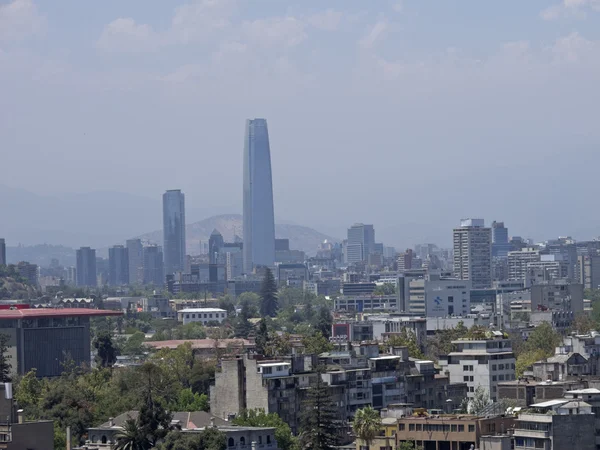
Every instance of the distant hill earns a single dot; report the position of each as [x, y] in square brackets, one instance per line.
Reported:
[301, 238]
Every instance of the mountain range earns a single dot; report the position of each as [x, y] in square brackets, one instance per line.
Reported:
[229, 225]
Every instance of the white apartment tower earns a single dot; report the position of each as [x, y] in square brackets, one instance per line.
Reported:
[481, 362]
[473, 253]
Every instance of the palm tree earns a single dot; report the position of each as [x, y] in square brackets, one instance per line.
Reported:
[132, 437]
[367, 424]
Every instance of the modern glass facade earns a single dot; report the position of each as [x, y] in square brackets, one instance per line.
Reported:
[259, 218]
[174, 231]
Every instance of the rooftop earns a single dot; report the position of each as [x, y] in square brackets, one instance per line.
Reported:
[33, 313]
[201, 343]
[201, 310]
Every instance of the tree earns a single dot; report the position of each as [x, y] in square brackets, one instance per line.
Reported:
[5, 365]
[583, 323]
[228, 305]
[208, 439]
[132, 436]
[262, 337]
[409, 445]
[318, 421]
[367, 424]
[29, 393]
[258, 418]
[480, 401]
[324, 321]
[189, 401]
[408, 339]
[316, 344]
[242, 325]
[107, 353]
[269, 305]
[134, 344]
[385, 289]
[526, 359]
[544, 338]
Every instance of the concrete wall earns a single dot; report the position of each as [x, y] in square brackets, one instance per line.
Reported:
[32, 436]
[576, 432]
[227, 396]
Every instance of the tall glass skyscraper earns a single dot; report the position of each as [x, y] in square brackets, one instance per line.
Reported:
[174, 231]
[259, 218]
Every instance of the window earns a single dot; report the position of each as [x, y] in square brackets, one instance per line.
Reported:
[187, 316]
[471, 428]
[419, 427]
[465, 378]
[501, 367]
[494, 377]
[260, 440]
[103, 439]
[268, 439]
[501, 377]
[471, 389]
[411, 427]
[193, 316]
[461, 428]
[242, 440]
[494, 367]
[401, 427]
[471, 378]
[453, 428]
[231, 442]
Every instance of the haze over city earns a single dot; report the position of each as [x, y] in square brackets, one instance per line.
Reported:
[409, 115]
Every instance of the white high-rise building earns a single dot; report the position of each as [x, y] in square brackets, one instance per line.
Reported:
[518, 261]
[473, 253]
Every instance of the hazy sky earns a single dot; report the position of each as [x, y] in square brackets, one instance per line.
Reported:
[390, 112]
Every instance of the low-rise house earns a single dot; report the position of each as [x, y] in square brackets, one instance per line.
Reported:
[561, 367]
[556, 425]
[104, 437]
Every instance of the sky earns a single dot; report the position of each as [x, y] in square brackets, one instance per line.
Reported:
[405, 114]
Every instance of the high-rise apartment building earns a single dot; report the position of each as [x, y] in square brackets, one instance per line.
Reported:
[153, 265]
[500, 244]
[118, 266]
[473, 253]
[174, 231]
[518, 262]
[86, 267]
[31, 272]
[135, 253]
[361, 243]
[259, 218]
[2, 252]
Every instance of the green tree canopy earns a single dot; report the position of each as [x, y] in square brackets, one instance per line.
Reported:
[316, 343]
[5, 365]
[367, 424]
[107, 352]
[318, 421]
[258, 418]
[269, 304]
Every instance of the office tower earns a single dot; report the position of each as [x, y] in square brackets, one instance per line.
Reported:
[153, 265]
[135, 252]
[259, 218]
[361, 243]
[174, 231]
[500, 244]
[405, 260]
[118, 266]
[86, 267]
[215, 244]
[473, 253]
[2, 252]
[588, 271]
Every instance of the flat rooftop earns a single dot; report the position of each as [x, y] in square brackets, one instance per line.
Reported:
[200, 343]
[34, 313]
[201, 310]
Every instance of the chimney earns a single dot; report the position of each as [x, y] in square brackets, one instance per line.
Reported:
[111, 422]
[20, 416]
[212, 422]
[68, 446]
